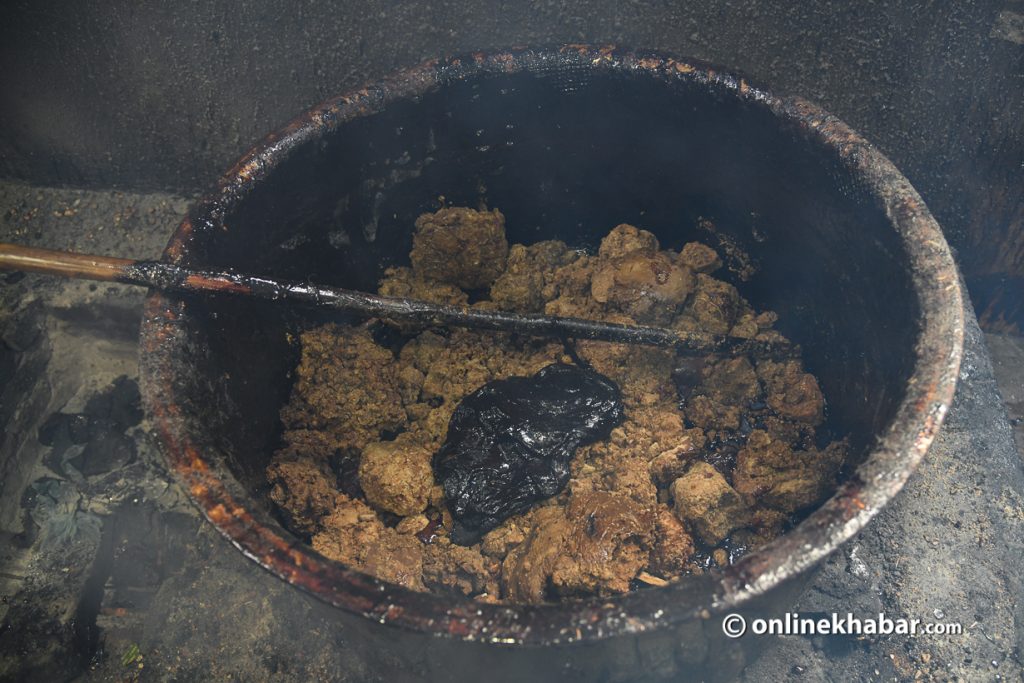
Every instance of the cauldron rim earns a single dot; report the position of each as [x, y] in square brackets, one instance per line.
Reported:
[919, 415]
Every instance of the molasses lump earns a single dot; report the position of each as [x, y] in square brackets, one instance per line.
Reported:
[308, 442]
[530, 269]
[713, 309]
[402, 282]
[396, 476]
[770, 472]
[527, 569]
[354, 535]
[673, 545]
[671, 464]
[596, 544]
[627, 476]
[792, 393]
[700, 258]
[633, 277]
[622, 463]
[460, 246]
[766, 524]
[750, 325]
[625, 239]
[705, 501]
[793, 433]
[414, 524]
[732, 381]
[345, 387]
[608, 542]
[498, 541]
[745, 327]
[303, 488]
[509, 443]
[410, 384]
[766, 320]
[643, 373]
[709, 414]
[648, 288]
[567, 293]
[458, 569]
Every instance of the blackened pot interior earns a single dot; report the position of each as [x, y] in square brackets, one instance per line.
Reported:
[566, 151]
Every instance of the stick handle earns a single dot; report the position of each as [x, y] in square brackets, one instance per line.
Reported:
[66, 264]
[173, 278]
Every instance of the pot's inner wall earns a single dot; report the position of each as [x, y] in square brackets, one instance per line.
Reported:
[566, 155]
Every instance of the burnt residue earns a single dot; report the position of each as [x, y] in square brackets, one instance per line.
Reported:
[94, 441]
[510, 442]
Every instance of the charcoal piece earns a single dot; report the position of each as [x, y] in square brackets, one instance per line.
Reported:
[119, 403]
[106, 451]
[60, 430]
[509, 443]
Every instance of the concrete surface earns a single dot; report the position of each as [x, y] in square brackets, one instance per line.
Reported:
[1008, 363]
[107, 572]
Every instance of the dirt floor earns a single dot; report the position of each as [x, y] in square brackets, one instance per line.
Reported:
[108, 573]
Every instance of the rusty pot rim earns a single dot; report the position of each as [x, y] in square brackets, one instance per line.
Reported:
[918, 417]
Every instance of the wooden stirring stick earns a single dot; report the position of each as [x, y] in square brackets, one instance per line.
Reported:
[168, 277]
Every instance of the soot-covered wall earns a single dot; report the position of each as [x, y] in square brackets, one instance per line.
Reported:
[164, 95]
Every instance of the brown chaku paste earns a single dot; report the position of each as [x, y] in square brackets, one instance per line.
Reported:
[390, 465]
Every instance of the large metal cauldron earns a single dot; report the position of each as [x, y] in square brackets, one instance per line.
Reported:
[567, 143]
